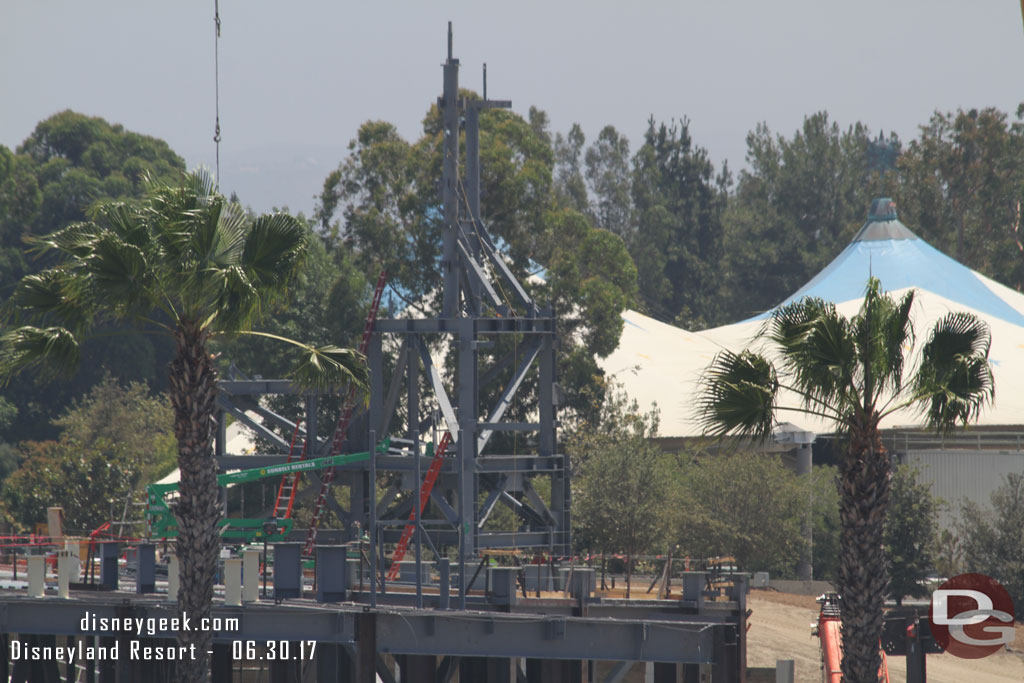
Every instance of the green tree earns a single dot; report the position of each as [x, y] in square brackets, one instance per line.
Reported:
[620, 480]
[113, 442]
[570, 187]
[128, 416]
[851, 373]
[383, 201]
[797, 205]
[993, 539]
[949, 554]
[961, 183]
[591, 279]
[189, 264]
[677, 246]
[744, 504]
[827, 526]
[910, 534]
[69, 162]
[77, 159]
[91, 482]
[609, 179]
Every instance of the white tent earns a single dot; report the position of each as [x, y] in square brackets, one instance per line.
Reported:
[662, 364]
[239, 441]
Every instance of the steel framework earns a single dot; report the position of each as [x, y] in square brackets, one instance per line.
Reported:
[483, 305]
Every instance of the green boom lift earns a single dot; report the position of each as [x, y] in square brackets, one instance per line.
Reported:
[161, 523]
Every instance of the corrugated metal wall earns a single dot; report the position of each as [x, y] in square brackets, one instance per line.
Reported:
[963, 474]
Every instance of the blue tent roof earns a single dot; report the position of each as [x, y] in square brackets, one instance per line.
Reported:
[887, 249]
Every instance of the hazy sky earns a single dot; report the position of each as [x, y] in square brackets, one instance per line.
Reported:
[297, 78]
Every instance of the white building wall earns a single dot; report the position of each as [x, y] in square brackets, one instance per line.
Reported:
[956, 475]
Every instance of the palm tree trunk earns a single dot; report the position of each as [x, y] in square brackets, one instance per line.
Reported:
[193, 393]
[863, 499]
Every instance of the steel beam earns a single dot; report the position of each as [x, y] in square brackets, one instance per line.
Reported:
[449, 106]
[396, 631]
[240, 415]
[488, 326]
[506, 397]
[440, 394]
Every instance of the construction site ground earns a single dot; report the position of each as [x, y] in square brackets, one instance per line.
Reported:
[780, 628]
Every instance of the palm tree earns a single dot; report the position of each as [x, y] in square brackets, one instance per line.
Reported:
[186, 263]
[852, 373]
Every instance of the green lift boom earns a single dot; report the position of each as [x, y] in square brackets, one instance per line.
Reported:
[161, 524]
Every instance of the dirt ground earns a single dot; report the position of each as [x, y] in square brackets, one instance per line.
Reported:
[780, 628]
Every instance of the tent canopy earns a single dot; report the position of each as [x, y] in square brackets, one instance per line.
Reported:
[662, 364]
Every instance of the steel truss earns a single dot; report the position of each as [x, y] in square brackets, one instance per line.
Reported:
[483, 307]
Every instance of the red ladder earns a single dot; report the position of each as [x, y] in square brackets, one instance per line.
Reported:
[286, 490]
[428, 486]
[327, 475]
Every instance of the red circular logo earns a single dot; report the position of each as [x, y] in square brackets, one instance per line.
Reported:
[971, 616]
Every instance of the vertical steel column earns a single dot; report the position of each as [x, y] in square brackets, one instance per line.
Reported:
[445, 579]
[667, 672]
[366, 648]
[373, 519]
[284, 670]
[560, 484]
[472, 185]
[375, 361]
[333, 665]
[417, 668]
[466, 447]
[472, 182]
[220, 662]
[450, 183]
[220, 441]
[490, 669]
[413, 403]
[220, 438]
[554, 670]
[108, 668]
[313, 427]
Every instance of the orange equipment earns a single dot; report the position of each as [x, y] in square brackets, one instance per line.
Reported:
[830, 635]
[428, 486]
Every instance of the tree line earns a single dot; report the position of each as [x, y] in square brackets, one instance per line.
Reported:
[603, 224]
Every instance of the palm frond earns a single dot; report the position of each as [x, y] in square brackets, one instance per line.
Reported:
[273, 248]
[121, 275]
[55, 295]
[237, 300]
[203, 225]
[232, 228]
[201, 184]
[50, 351]
[816, 344]
[321, 368]
[954, 380]
[124, 220]
[882, 329]
[73, 240]
[738, 395]
[168, 214]
[329, 367]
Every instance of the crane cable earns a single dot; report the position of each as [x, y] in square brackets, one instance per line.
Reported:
[216, 79]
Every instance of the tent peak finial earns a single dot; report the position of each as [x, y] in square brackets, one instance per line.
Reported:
[882, 209]
[883, 223]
